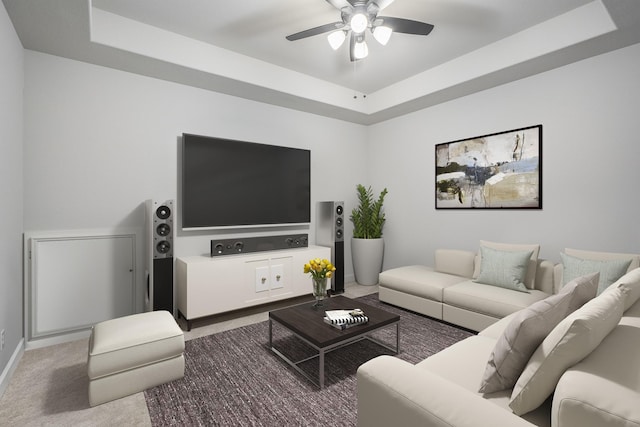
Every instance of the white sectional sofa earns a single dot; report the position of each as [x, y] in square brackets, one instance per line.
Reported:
[583, 370]
[447, 290]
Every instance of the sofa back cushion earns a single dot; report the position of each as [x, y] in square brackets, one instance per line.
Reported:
[528, 329]
[456, 262]
[569, 342]
[530, 278]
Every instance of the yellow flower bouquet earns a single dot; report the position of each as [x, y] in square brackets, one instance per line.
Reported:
[319, 268]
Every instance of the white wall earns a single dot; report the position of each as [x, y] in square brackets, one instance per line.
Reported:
[11, 126]
[591, 149]
[98, 142]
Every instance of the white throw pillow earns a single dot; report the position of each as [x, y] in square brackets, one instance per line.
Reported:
[530, 278]
[630, 282]
[567, 344]
[528, 329]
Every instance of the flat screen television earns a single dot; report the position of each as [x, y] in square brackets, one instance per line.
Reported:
[228, 183]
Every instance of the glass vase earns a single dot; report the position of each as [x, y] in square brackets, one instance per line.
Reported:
[319, 290]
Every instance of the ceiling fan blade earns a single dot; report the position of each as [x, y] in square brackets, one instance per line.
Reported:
[406, 26]
[339, 4]
[315, 31]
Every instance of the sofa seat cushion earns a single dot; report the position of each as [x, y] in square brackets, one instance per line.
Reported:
[418, 280]
[464, 363]
[489, 300]
[604, 388]
[134, 341]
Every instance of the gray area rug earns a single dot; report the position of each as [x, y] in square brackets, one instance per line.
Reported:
[233, 379]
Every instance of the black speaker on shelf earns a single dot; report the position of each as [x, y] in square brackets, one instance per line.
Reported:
[330, 232]
[160, 238]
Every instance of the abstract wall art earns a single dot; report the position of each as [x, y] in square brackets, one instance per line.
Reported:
[496, 171]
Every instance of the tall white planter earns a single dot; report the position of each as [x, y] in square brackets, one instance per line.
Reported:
[367, 255]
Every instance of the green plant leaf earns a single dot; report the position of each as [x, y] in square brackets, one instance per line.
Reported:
[368, 218]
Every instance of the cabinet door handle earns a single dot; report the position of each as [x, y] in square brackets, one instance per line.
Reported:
[264, 279]
[278, 277]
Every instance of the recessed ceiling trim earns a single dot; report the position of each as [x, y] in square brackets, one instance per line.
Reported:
[115, 31]
[574, 27]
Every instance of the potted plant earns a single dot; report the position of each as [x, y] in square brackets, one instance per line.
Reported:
[367, 245]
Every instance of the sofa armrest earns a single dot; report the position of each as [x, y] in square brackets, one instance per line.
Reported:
[394, 392]
[545, 277]
[456, 262]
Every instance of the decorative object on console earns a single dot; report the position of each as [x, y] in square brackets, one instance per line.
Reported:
[320, 270]
[367, 245]
[497, 171]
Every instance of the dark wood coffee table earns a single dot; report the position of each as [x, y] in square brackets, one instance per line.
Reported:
[307, 323]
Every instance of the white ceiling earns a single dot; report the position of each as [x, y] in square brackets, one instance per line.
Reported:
[239, 47]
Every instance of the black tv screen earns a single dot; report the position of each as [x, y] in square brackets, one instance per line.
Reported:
[228, 183]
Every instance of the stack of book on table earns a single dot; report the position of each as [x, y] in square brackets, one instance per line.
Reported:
[343, 319]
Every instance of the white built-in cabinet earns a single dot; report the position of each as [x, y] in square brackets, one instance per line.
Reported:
[212, 285]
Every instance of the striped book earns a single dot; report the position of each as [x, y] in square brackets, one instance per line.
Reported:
[347, 324]
[343, 319]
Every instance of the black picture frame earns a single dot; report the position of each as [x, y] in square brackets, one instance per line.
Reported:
[502, 170]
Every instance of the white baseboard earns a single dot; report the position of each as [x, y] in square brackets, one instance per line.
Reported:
[8, 371]
[57, 339]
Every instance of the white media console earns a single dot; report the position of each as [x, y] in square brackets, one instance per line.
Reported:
[212, 285]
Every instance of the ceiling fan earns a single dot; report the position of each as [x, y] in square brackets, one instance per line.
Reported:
[358, 16]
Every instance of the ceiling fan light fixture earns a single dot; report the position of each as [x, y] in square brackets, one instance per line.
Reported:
[382, 34]
[359, 23]
[360, 50]
[336, 39]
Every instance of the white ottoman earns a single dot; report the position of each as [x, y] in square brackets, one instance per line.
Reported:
[132, 353]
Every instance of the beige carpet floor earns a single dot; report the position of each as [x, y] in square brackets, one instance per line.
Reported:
[49, 386]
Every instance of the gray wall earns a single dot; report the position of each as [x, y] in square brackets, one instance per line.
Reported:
[11, 125]
[98, 142]
[591, 151]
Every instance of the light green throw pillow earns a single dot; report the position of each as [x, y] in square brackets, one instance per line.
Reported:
[610, 270]
[505, 269]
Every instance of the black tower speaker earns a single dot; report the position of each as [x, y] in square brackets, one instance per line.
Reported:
[160, 231]
[330, 232]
